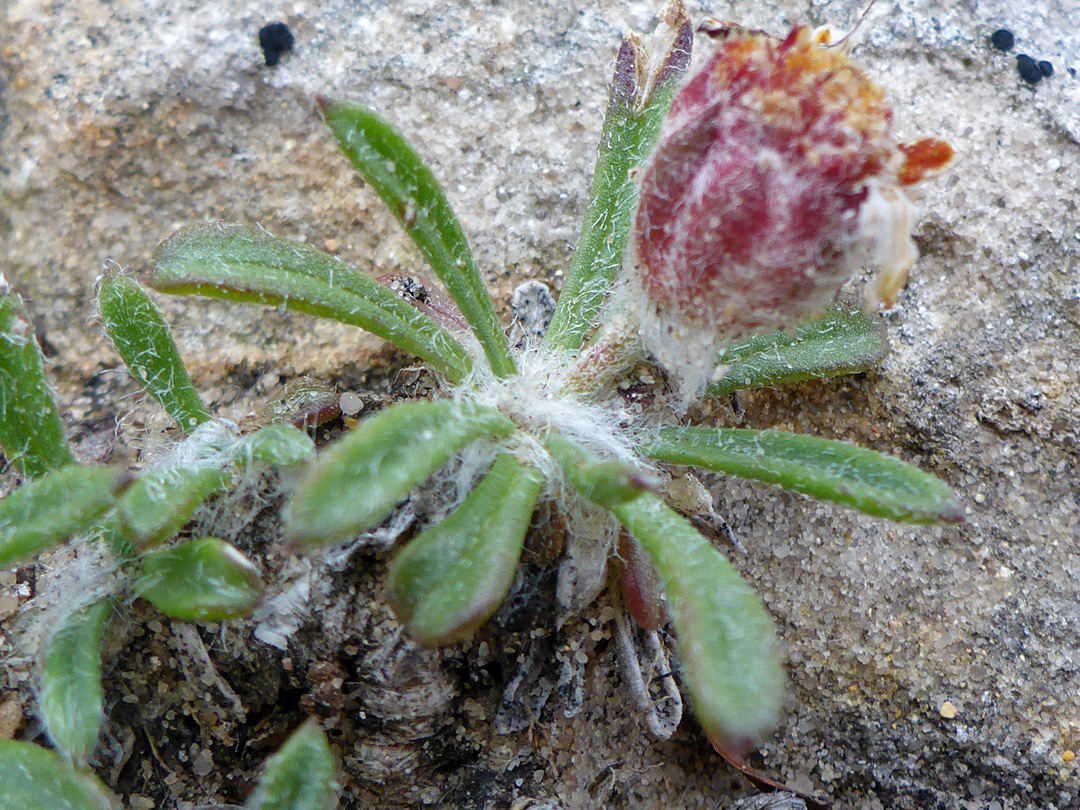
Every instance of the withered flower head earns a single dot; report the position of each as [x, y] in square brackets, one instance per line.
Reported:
[776, 176]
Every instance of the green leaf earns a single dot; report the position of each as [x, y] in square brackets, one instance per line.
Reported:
[632, 125]
[276, 445]
[835, 471]
[360, 480]
[604, 482]
[449, 580]
[408, 187]
[161, 502]
[54, 507]
[31, 432]
[71, 695]
[300, 776]
[727, 644]
[843, 341]
[144, 342]
[204, 580]
[246, 265]
[35, 778]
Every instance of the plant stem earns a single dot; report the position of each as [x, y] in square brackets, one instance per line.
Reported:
[615, 350]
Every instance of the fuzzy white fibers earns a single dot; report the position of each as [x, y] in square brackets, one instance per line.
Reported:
[212, 444]
[535, 401]
[72, 577]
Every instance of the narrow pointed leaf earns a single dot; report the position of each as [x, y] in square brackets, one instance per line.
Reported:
[360, 480]
[604, 482]
[449, 580]
[246, 265]
[843, 341]
[31, 433]
[204, 580]
[632, 124]
[276, 445]
[408, 187]
[35, 778]
[869, 481]
[161, 502]
[54, 507]
[71, 696]
[727, 644]
[300, 776]
[144, 341]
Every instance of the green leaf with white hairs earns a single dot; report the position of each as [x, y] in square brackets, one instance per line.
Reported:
[360, 480]
[277, 446]
[35, 778]
[845, 340]
[31, 433]
[161, 502]
[637, 108]
[204, 580]
[603, 482]
[50, 509]
[71, 695]
[447, 581]
[866, 480]
[144, 341]
[726, 640]
[302, 775]
[400, 177]
[251, 266]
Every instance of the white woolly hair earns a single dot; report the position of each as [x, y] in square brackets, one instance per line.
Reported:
[534, 401]
[72, 577]
[211, 444]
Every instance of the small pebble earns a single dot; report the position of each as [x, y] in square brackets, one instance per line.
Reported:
[1068, 756]
[1002, 39]
[948, 710]
[1029, 69]
[1046, 68]
[351, 403]
[11, 717]
[274, 39]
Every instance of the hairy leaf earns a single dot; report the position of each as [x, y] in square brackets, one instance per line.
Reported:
[845, 340]
[54, 507]
[635, 112]
[161, 502]
[204, 580]
[727, 643]
[408, 187]
[604, 482]
[276, 445]
[35, 778]
[241, 264]
[300, 776]
[359, 480]
[835, 471]
[144, 341]
[71, 695]
[31, 432]
[449, 580]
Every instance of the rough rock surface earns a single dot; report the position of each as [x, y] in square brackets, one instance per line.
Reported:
[121, 122]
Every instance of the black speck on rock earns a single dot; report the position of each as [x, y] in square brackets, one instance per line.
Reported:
[1002, 39]
[1029, 69]
[1046, 68]
[275, 38]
